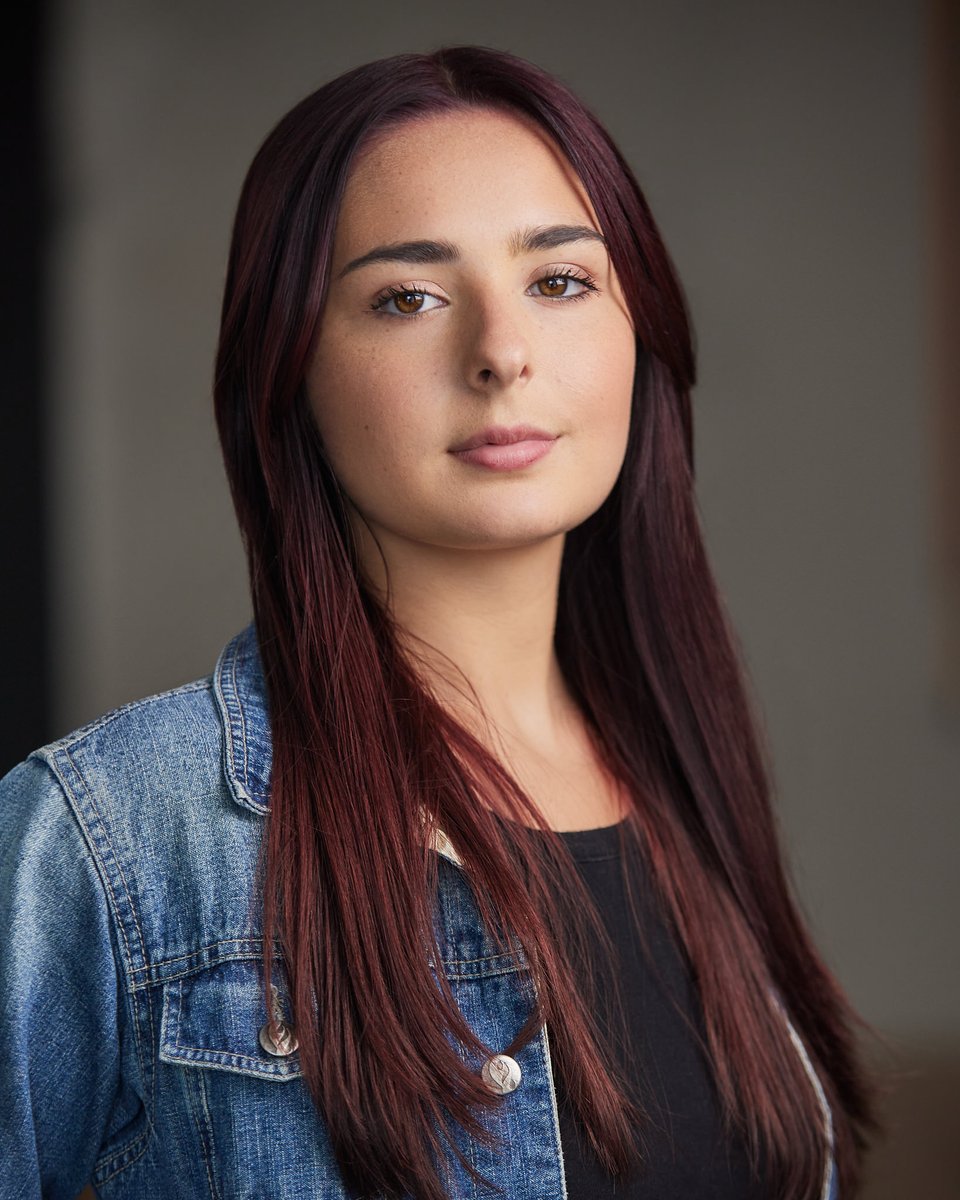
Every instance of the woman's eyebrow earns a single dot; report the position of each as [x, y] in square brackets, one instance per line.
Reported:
[524, 241]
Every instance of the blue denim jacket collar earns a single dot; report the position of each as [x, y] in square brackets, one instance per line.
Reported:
[241, 695]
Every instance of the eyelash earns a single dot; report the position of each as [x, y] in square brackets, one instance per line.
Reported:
[391, 293]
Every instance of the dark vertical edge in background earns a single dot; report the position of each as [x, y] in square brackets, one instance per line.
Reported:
[24, 204]
[943, 250]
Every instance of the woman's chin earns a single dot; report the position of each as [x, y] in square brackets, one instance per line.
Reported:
[512, 532]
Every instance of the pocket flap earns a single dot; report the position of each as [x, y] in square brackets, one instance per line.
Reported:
[213, 1018]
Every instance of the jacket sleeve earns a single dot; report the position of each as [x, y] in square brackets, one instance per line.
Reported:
[59, 1067]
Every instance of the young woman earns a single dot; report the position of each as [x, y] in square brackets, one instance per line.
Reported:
[458, 877]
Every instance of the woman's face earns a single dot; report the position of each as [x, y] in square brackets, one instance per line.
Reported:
[457, 307]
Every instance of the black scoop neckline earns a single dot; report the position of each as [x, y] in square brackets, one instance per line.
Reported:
[593, 844]
[583, 845]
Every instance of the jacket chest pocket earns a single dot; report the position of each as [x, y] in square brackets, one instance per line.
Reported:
[238, 1119]
[215, 1018]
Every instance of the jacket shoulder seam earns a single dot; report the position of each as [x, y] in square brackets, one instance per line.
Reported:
[77, 736]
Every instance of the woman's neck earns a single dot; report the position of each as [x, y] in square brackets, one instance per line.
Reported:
[481, 619]
[485, 620]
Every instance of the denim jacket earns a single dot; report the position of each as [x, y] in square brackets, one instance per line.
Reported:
[135, 1054]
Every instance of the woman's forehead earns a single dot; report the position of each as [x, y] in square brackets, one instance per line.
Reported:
[478, 168]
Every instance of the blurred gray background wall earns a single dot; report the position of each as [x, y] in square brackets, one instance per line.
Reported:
[781, 147]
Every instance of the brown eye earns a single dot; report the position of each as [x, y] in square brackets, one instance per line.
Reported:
[405, 302]
[408, 302]
[553, 285]
[557, 287]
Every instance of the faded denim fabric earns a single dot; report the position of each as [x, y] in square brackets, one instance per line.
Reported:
[130, 996]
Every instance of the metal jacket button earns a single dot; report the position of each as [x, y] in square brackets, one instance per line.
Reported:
[285, 1043]
[501, 1074]
[286, 1040]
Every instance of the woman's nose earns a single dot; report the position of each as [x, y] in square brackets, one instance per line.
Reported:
[497, 345]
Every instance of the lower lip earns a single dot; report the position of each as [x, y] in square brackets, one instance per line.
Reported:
[506, 458]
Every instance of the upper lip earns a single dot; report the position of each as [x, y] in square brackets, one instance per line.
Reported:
[504, 435]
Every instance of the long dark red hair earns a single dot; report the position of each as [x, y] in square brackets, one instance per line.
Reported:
[366, 763]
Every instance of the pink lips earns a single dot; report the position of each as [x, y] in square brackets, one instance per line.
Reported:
[505, 449]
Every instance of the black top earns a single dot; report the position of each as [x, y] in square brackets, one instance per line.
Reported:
[685, 1152]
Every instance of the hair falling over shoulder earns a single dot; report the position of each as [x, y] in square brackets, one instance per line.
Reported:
[362, 753]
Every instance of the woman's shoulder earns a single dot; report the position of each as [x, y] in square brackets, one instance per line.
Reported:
[164, 743]
[186, 740]
[156, 731]
[167, 795]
